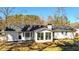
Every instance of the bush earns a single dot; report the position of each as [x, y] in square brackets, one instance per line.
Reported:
[59, 42]
[70, 41]
[75, 48]
[76, 39]
[70, 49]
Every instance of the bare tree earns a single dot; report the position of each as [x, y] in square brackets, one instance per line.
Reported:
[60, 16]
[6, 11]
[60, 11]
[50, 20]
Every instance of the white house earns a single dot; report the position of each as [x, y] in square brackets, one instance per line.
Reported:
[39, 33]
[77, 32]
[51, 33]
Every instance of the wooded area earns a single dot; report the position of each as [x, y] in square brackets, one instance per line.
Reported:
[58, 19]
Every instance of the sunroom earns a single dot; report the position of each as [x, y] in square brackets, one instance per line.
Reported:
[43, 35]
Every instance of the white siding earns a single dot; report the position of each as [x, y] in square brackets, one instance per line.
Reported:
[30, 37]
[70, 35]
[76, 32]
[35, 36]
[12, 36]
[23, 36]
[60, 35]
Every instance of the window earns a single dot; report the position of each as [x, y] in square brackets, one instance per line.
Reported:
[19, 36]
[66, 33]
[39, 36]
[48, 36]
[31, 34]
[23, 34]
[53, 35]
[62, 32]
[27, 34]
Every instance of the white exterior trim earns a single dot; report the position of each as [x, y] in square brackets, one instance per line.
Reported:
[13, 36]
[44, 40]
[59, 35]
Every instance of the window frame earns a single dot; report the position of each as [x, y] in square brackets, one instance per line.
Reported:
[20, 37]
[40, 36]
[66, 33]
[27, 35]
[62, 32]
[23, 34]
[48, 36]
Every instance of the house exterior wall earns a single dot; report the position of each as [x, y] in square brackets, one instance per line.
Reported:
[60, 35]
[9, 37]
[31, 37]
[55, 35]
[12, 36]
[76, 32]
[23, 36]
[70, 35]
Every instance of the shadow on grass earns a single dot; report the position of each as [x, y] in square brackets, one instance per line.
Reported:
[69, 47]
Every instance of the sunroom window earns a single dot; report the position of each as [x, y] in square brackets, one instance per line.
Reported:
[66, 33]
[27, 34]
[39, 36]
[48, 35]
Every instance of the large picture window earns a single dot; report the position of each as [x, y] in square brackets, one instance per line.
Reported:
[48, 35]
[40, 36]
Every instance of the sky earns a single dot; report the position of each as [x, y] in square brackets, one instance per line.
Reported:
[71, 12]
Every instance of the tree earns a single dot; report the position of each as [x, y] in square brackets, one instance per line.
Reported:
[60, 11]
[6, 11]
[60, 17]
[25, 20]
[50, 20]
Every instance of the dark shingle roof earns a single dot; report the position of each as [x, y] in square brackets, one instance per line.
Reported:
[31, 27]
[62, 28]
[9, 29]
[36, 27]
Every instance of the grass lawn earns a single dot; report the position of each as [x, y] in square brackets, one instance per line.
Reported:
[58, 45]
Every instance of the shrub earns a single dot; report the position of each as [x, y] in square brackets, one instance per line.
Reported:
[69, 41]
[71, 49]
[59, 42]
[76, 39]
[75, 48]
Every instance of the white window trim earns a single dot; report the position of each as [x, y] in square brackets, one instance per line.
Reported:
[40, 35]
[48, 36]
